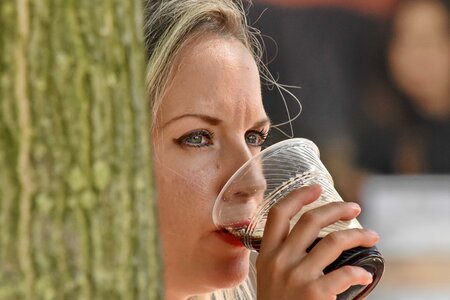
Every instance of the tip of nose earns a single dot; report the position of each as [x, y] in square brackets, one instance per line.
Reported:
[249, 191]
[241, 194]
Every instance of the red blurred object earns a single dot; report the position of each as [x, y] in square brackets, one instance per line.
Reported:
[380, 8]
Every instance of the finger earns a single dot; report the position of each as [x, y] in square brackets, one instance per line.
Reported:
[342, 279]
[331, 246]
[311, 222]
[277, 224]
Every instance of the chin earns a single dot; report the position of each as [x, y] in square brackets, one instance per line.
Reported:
[234, 281]
[231, 274]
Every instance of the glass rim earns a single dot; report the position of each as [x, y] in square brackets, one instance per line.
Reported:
[294, 142]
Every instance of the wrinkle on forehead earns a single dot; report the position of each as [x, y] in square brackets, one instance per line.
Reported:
[223, 75]
[193, 49]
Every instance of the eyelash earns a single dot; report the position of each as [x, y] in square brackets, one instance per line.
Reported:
[263, 134]
[203, 133]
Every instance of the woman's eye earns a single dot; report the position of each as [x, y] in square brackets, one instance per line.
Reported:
[256, 138]
[196, 138]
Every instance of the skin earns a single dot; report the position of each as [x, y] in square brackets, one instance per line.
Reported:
[288, 271]
[210, 122]
[222, 98]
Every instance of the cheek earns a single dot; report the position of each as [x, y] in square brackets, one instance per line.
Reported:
[186, 189]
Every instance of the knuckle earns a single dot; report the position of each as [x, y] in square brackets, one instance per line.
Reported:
[362, 233]
[349, 271]
[310, 216]
[276, 264]
[272, 265]
[357, 234]
[259, 264]
[335, 238]
[275, 212]
[338, 206]
[313, 290]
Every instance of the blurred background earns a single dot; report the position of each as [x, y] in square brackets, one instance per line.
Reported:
[373, 79]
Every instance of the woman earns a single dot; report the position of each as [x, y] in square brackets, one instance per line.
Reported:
[418, 59]
[208, 119]
[405, 119]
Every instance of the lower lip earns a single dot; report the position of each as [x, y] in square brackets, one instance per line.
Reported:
[229, 239]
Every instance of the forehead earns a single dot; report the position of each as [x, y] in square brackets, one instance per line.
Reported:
[420, 15]
[213, 75]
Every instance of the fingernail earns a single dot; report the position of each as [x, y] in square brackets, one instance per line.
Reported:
[354, 205]
[369, 279]
[374, 233]
[315, 187]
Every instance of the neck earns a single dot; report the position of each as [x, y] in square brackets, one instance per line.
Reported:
[439, 112]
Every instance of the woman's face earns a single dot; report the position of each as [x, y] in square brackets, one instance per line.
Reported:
[210, 122]
[419, 55]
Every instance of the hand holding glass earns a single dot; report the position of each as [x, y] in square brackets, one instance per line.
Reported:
[243, 204]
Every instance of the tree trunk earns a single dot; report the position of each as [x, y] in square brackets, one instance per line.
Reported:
[77, 219]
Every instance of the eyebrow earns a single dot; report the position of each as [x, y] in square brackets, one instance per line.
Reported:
[206, 118]
[264, 122]
[214, 121]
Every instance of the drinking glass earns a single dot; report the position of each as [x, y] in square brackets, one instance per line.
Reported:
[244, 202]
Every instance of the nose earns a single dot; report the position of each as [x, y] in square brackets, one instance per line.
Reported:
[249, 184]
[249, 181]
[244, 191]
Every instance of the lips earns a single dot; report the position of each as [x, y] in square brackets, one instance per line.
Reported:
[229, 238]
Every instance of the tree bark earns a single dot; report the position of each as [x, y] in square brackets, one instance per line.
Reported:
[77, 217]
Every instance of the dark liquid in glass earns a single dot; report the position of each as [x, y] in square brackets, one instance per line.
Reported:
[368, 258]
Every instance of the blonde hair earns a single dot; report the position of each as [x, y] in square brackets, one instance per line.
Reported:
[169, 25]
